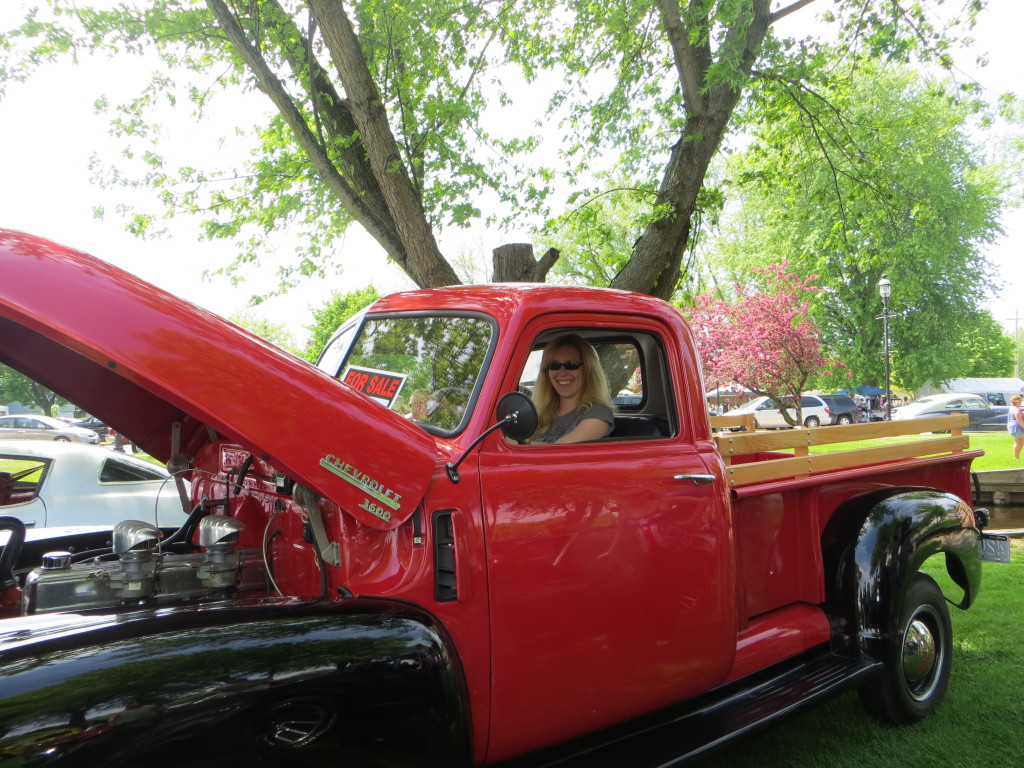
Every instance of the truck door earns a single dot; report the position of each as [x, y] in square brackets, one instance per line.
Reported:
[610, 562]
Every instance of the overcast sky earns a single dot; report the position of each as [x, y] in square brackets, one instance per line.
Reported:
[48, 133]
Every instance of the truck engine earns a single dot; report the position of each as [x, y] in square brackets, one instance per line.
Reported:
[138, 571]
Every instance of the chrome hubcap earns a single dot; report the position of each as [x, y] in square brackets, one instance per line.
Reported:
[920, 659]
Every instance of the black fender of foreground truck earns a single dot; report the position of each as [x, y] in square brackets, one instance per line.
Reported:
[883, 608]
[874, 546]
[273, 682]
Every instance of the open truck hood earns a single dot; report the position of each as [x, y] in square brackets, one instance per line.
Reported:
[144, 361]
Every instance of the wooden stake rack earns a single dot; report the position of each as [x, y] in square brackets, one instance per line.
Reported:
[801, 463]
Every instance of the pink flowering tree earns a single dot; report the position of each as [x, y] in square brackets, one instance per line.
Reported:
[764, 340]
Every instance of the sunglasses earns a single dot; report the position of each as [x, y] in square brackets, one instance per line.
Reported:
[571, 365]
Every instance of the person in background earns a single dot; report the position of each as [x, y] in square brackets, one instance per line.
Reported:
[571, 393]
[1015, 424]
[419, 405]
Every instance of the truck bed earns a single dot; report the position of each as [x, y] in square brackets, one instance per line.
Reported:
[784, 497]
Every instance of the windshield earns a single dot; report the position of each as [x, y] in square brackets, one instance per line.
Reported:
[427, 368]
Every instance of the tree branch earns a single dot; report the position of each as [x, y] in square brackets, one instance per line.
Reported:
[782, 12]
[272, 86]
[544, 265]
[690, 74]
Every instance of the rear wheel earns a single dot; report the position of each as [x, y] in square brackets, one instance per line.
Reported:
[812, 421]
[917, 663]
[844, 420]
[62, 439]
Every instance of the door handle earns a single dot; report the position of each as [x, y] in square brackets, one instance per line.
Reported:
[696, 479]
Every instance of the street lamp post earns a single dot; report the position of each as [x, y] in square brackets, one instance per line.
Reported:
[885, 290]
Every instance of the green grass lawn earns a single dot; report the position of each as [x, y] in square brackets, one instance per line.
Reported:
[998, 449]
[981, 722]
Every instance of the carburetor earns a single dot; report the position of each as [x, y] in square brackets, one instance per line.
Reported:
[141, 573]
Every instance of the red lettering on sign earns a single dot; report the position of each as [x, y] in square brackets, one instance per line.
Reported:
[356, 379]
[384, 386]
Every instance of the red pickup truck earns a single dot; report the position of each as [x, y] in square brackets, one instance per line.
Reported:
[433, 585]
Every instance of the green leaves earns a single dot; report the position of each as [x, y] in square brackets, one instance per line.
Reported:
[646, 88]
[873, 172]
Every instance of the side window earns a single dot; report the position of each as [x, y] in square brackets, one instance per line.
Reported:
[635, 371]
[115, 470]
[20, 477]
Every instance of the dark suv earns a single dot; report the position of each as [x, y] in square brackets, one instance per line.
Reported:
[841, 409]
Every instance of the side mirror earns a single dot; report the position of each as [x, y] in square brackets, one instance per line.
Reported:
[517, 416]
[517, 419]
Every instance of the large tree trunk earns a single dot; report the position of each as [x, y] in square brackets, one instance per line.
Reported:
[654, 266]
[424, 262]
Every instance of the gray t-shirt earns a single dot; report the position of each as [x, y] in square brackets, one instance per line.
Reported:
[567, 422]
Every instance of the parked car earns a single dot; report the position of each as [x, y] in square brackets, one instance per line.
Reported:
[33, 427]
[767, 414]
[93, 424]
[995, 423]
[976, 407]
[842, 409]
[57, 484]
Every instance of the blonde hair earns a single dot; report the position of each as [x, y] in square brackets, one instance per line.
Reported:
[1016, 399]
[593, 391]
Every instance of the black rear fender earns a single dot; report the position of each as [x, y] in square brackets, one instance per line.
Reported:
[875, 544]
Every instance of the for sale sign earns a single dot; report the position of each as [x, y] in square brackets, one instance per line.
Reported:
[382, 386]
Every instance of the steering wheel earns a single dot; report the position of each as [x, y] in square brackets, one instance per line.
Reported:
[9, 552]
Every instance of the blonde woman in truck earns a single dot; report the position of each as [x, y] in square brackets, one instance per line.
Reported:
[571, 393]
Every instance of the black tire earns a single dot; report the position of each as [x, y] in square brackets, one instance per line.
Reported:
[812, 421]
[62, 439]
[916, 675]
[844, 420]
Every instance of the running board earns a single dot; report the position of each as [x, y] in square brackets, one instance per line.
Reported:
[673, 736]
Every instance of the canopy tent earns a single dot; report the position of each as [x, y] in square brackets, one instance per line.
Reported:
[994, 390]
[863, 389]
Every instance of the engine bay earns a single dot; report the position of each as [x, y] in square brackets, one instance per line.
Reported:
[243, 516]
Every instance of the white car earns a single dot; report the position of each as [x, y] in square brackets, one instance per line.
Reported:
[29, 426]
[51, 484]
[977, 408]
[767, 414]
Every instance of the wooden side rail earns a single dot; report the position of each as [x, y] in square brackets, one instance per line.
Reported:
[802, 463]
[718, 423]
